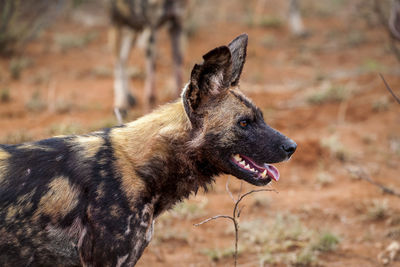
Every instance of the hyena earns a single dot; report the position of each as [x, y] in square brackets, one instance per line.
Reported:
[131, 17]
[91, 200]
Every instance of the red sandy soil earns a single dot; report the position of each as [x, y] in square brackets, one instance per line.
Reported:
[359, 132]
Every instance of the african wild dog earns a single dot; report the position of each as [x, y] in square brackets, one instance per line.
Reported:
[92, 199]
[129, 18]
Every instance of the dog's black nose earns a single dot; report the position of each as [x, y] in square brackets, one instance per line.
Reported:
[289, 147]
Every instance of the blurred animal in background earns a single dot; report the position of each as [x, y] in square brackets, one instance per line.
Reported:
[296, 25]
[129, 19]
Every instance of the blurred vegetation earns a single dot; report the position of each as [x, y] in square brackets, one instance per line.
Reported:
[66, 129]
[327, 242]
[36, 103]
[336, 148]
[217, 254]
[17, 65]
[20, 21]
[334, 93]
[5, 95]
[291, 242]
[65, 41]
[377, 210]
[16, 137]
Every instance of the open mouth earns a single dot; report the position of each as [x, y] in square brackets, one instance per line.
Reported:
[257, 172]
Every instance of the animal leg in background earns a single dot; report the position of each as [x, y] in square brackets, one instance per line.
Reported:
[175, 32]
[150, 84]
[123, 98]
[296, 25]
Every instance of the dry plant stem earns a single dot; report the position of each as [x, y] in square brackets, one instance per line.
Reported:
[382, 187]
[363, 175]
[390, 89]
[235, 216]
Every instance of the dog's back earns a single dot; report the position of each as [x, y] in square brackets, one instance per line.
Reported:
[30, 176]
[55, 192]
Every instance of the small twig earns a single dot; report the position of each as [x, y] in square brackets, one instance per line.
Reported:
[389, 89]
[213, 218]
[235, 215]
[240, 211]
[362, 174]
[246, 194]
[382, 187]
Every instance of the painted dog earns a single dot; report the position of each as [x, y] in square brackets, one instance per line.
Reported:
[91, 200]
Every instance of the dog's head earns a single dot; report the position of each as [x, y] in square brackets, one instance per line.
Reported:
[230, 130]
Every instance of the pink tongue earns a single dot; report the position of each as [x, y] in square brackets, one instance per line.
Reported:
[272, 172]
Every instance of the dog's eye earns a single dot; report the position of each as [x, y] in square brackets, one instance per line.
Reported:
[243, 123]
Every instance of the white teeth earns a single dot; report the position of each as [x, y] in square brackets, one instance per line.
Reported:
[237, 157]
[242, 162]
[247, 167]
[253, 170]
[264, 174]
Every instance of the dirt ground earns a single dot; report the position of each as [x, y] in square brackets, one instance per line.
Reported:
[323, 91]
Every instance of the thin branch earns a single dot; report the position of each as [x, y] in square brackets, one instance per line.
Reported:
[236, 214]
[214, 218]
[246, 194]
[389, 89]
[362, 174]
[240, 211]
[381, 186]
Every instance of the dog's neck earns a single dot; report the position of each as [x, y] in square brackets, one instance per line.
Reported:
[160, 147]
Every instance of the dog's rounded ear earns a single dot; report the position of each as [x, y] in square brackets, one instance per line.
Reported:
[238, 48]
[208, 80]
[220, 70]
